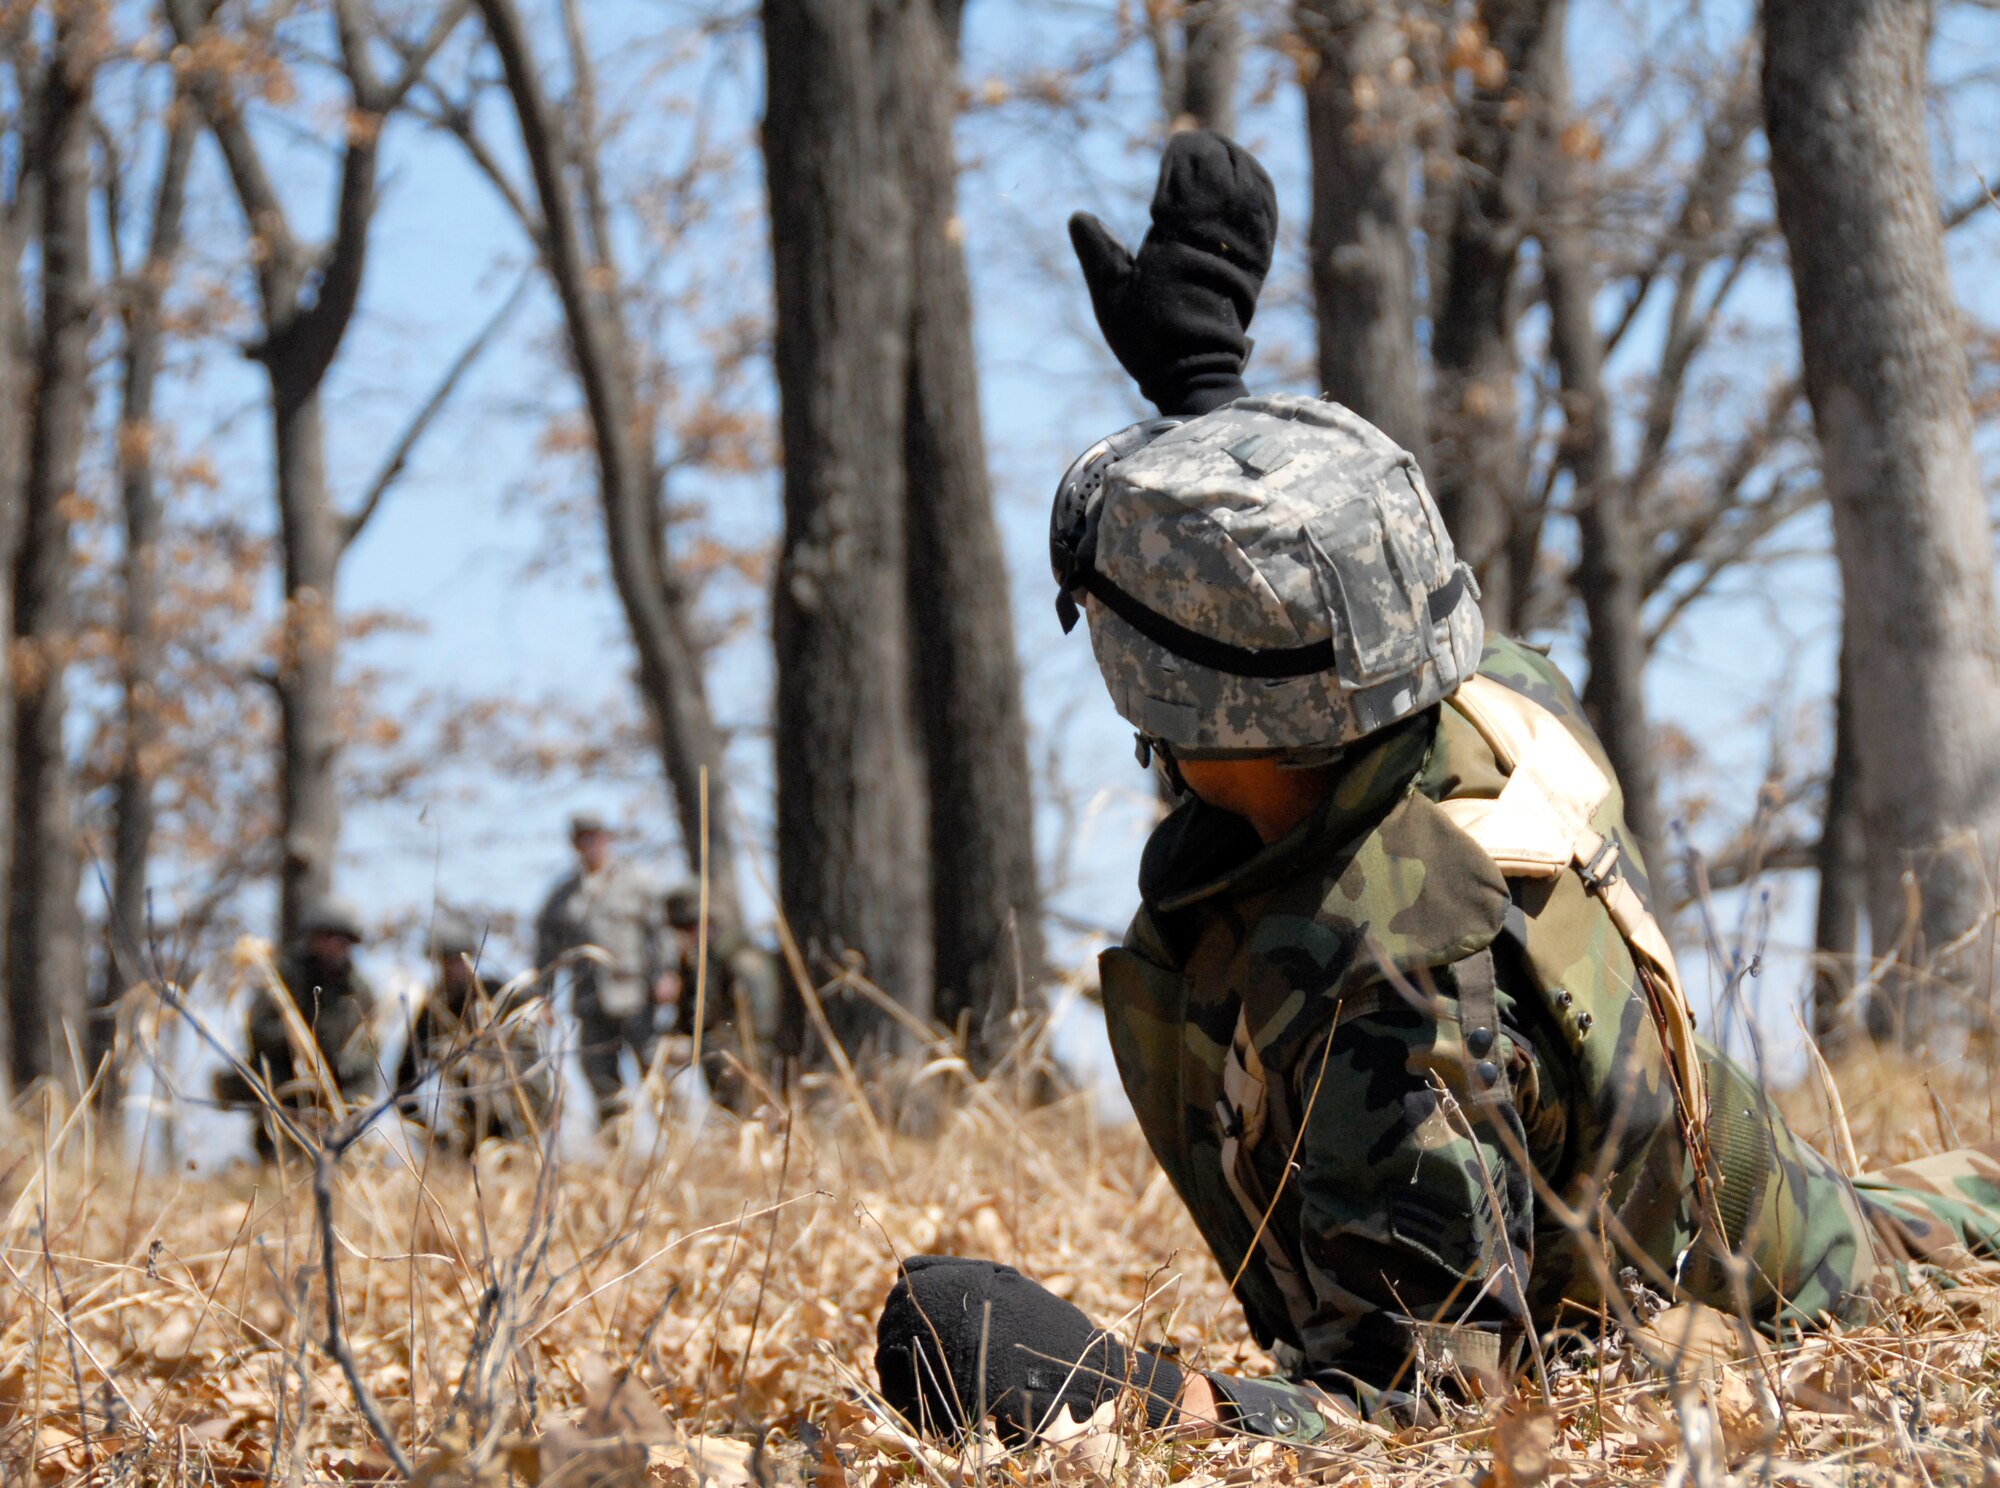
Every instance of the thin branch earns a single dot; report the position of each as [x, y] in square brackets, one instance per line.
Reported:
[1688, 332]
[583, 149]
[417, 59]
[1756, 443]
[1711, 186]
[259, 198]
[1970, 206]
[455, 119]
[1745, 862]
[1766, 516]
[324, 1161]
[399, 456]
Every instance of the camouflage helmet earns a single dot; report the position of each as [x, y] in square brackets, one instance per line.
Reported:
[1272, 577]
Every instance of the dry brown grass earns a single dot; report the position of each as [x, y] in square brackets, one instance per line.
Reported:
[715, 1297]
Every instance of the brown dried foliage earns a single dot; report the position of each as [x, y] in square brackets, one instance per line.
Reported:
[700, 1310]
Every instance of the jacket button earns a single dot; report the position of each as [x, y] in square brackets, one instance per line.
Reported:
[1283, 1419]
[1564, 999]
[1583, 1021]
[1479, 1042]
[1488, 1072]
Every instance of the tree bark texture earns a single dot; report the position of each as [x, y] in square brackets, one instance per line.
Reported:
[1842, 864]
[16, 377]
[631, 484]
[985, 908]
[1480, 476]
[1360, 120]
[1610, 572]
[45, 925]
[139, 657]
[1885, 373]
[1198, 49]
[851, 823]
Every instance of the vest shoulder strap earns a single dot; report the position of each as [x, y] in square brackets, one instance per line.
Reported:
[1542, 823]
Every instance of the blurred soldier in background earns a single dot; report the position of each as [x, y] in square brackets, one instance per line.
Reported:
[336, 1004]
[484, 1038]
[615, 908]
[739, 998]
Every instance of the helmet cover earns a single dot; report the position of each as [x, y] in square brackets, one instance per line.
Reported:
[1272, 577]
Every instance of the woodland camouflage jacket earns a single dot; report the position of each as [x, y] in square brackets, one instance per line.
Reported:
[1393, 1201]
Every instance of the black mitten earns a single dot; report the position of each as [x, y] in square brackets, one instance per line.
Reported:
[1177, 314]
[1040, 1352]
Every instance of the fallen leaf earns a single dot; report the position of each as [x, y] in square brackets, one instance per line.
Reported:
[1523, 1438]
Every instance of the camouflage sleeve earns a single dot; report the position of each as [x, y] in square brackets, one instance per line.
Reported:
[1291, 1410]
[1416, 1225]
[1305, 1410]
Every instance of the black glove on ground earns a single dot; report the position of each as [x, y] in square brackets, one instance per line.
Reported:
[1040, 1351]
[1176, 315]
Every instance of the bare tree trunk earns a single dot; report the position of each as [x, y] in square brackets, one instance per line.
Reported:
[307, 683]
[1360, 120]
[1842, 862]
[16, 376]
[851, 828]
[45, 930]
[139, 659]
[630, 483]
[1481, 472]
[1198, 50]
[1610, 576]
[1885, 372]
[307, 299]
[985, 909]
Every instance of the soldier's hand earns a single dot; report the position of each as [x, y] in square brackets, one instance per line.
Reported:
[1177, 314]
[1041, 1353]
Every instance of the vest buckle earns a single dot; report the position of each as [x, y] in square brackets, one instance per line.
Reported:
[1602, 868]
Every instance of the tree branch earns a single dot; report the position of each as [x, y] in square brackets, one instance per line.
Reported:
[583, 151]
[416, 59]
[1712, 186]
[336, 1331]
[405, 446]
[455, 119]
[1734, 544]
[1688, 331]
[1756, 443]
[254, 191]
[1971, 206]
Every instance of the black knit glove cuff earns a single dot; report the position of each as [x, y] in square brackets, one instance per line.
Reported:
[1040, 1353]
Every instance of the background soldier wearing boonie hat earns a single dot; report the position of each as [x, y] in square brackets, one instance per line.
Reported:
[335, 1002]
[615, 906]
[483, 1032]
[1395, 1002]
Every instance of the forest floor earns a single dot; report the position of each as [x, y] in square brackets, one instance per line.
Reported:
[703, 1311]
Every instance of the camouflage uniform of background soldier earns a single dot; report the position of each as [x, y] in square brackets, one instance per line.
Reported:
[614, 906]
[334, 1000]
[1381, 1039]
[739, 999]
[485, 1040]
